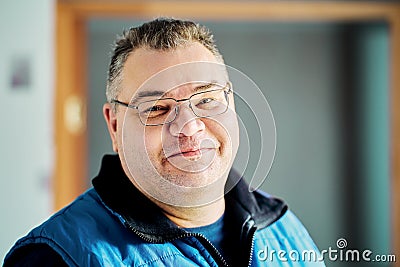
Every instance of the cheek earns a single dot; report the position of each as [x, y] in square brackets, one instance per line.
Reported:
[230, 121]
[225, 129]
[152, 142]
[138, 141]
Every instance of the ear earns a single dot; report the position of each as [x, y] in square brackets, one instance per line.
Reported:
[111, 120]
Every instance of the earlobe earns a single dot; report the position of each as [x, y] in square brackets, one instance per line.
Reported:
[111, 120]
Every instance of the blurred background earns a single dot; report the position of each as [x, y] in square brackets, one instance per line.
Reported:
[327, 84]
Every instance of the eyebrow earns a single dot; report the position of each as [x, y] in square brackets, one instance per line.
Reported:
[204, 87]
[143, 94]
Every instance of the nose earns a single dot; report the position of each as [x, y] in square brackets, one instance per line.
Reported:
[186, 122]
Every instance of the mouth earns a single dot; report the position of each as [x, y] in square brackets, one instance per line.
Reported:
[190, 153]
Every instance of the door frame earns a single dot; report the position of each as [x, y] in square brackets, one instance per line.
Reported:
[71, 73]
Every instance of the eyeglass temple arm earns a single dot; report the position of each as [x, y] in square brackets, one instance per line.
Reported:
[229, 85]
[115, 101]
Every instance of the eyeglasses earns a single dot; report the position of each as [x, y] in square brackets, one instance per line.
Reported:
[162, 111]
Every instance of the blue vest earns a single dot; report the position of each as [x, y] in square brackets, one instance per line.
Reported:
[104, 228]
[87, 233]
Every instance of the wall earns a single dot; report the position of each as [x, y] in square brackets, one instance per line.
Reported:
[26, 135]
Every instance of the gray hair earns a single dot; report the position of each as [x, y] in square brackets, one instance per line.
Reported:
[159, 34]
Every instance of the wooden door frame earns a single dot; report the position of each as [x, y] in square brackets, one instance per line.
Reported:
[71, 73]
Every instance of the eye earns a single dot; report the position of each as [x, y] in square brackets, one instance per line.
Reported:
[155, 108]
[205, 100]
[154, 111]
[207, 103]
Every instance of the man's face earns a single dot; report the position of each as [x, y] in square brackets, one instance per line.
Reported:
[190, 155]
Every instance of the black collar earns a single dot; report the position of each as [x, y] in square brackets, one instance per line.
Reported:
[147, 219]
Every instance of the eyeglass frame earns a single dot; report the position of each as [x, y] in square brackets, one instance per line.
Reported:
[176, 108]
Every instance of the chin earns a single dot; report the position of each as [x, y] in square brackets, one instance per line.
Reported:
[195, 175]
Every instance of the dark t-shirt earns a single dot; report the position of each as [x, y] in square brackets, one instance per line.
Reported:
[218, 234]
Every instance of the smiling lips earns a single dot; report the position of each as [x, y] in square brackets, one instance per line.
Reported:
[189, 148]
[191, 152]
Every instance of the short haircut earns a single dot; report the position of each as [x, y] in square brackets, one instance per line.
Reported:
[160, 34]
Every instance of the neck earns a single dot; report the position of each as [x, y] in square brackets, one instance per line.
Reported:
[192, 217]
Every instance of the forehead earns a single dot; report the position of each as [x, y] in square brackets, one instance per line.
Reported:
[149, 70]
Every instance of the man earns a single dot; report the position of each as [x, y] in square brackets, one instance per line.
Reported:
[169, 197]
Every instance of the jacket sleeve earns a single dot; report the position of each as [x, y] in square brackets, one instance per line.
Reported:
[35, 255]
